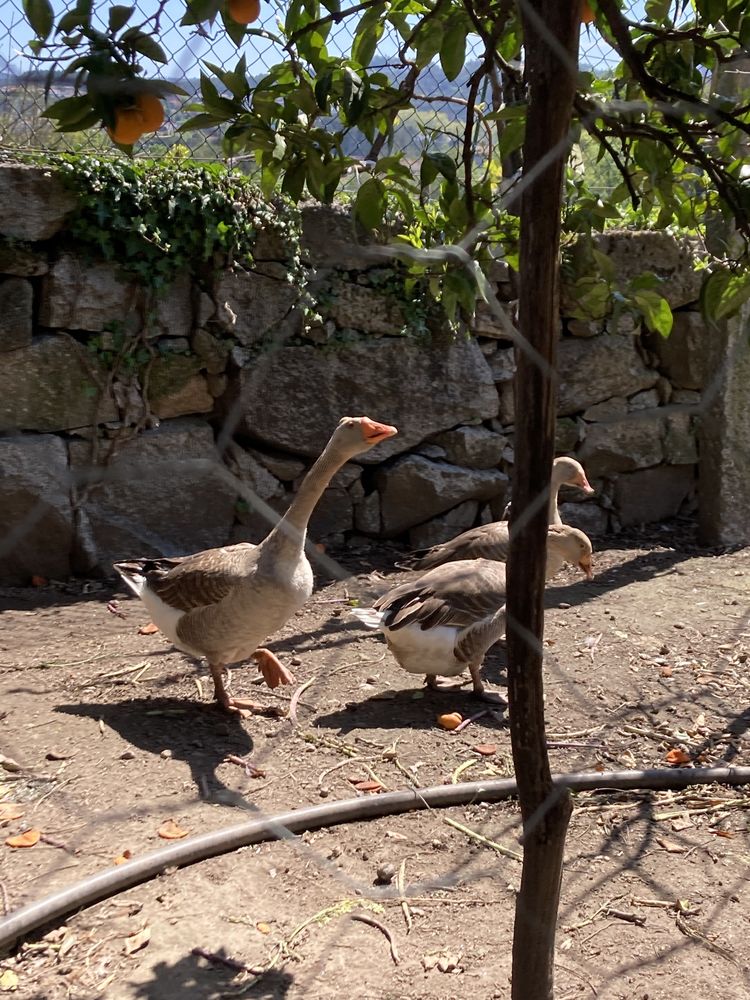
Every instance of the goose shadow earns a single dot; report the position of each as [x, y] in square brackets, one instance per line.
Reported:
[416, 706]
[191, 976]
[200, 736]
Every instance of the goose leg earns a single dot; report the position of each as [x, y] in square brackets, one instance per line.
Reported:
[241, 706]
[442, 684]
[479, 689]
[273, 670]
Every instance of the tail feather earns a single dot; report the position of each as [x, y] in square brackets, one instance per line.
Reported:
[368, 616]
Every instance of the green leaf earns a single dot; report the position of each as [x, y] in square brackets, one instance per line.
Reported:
[453, 49]
[294, 181]
[443, 164]
[68, 111]
[40, 16]
[370, 203]
[119, 17]
[428, 42]
[512, 138]
[724, 293]
[656, 311]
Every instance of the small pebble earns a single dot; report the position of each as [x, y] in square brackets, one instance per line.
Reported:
[295, 661]
[166, 755]
[563, 605]
[385, 874]
[127, 755]
[324, 792]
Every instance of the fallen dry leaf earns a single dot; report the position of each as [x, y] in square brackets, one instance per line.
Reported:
[149, 629]
[9, 811]
[675, 757]
[485, 749]
[368, 786]
[723, 833]
[67, 943]
[39, 581]
[670, 846]
[8, 981]
[137, 941]
[169, 830]
[665, 671]
[122, 858]
[26, 839]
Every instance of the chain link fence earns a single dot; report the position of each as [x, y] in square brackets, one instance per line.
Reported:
[438, 117]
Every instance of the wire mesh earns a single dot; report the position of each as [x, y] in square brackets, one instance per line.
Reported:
[437, 116]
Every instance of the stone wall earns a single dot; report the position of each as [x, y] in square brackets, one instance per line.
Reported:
[240, 399]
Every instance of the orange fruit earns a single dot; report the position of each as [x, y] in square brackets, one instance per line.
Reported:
[587, 14]
[451, 720]
[128, 126]
[244, 11]
[152, 111]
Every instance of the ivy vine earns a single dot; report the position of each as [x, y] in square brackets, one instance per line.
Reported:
[159, 219]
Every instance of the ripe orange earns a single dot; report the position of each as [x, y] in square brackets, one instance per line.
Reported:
[244, 11]
[152, 111]
[128, 126]
[450, 720]
[587, 14]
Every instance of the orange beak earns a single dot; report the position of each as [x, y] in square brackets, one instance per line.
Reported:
[587, 567]
[583, 483]
[373, 432]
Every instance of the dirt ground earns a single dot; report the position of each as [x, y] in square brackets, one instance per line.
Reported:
[115, 734]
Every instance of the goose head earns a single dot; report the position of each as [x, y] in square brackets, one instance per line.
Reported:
[357, 434]
[570, 472]
[571, 545]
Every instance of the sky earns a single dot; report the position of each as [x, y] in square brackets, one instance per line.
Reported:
[187, 48]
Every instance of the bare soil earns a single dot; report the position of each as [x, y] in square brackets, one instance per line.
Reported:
[115, 734]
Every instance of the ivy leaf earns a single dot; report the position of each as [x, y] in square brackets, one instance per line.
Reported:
[40, 17]
[370, 203]
[656, 311]
[119, 17]
[453, 50]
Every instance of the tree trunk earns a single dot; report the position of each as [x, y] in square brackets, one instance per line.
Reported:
[551, 30]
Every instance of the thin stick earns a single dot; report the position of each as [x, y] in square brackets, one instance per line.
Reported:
[4, 894]
[630, 918]
[401, 886]
[143, 670]
[505, 851]
[295, 699]
[125, 670]
[366, 919]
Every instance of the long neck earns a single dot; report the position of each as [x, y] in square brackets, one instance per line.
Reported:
[556, 481]
[289, 533]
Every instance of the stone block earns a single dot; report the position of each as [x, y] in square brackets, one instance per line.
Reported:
[367, 514]
[683, 355]
[16, 314]
[420, 390]
[474, 447]
[252, 306]
[22, 261]
[621, 445]
[52, 385]
[658, 253]
[34, 203]
[360, 308]
[652, 494]
[175, 389]
[413, 489]
[88, 295]
[593, 370]
[36, 514]
[589, 517]
[164, 492]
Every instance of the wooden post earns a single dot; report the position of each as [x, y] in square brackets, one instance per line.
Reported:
[551, 29]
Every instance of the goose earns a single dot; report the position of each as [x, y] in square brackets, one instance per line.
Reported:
[447, 619]
[223, 603]
[492, 541]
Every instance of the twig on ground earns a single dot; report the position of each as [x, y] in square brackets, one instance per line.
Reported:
[401, 886]
[250, 769]
[594, 915]
[654, 734]
[365, 918]
[505, 851]
[125, 670]
[295, 700]
[4, 894]
[630, 918]
[696, 935]
[329, 770]
[229, 963]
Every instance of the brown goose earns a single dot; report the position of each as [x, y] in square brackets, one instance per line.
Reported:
[447, 619]
[222, 603]
[491, 541]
